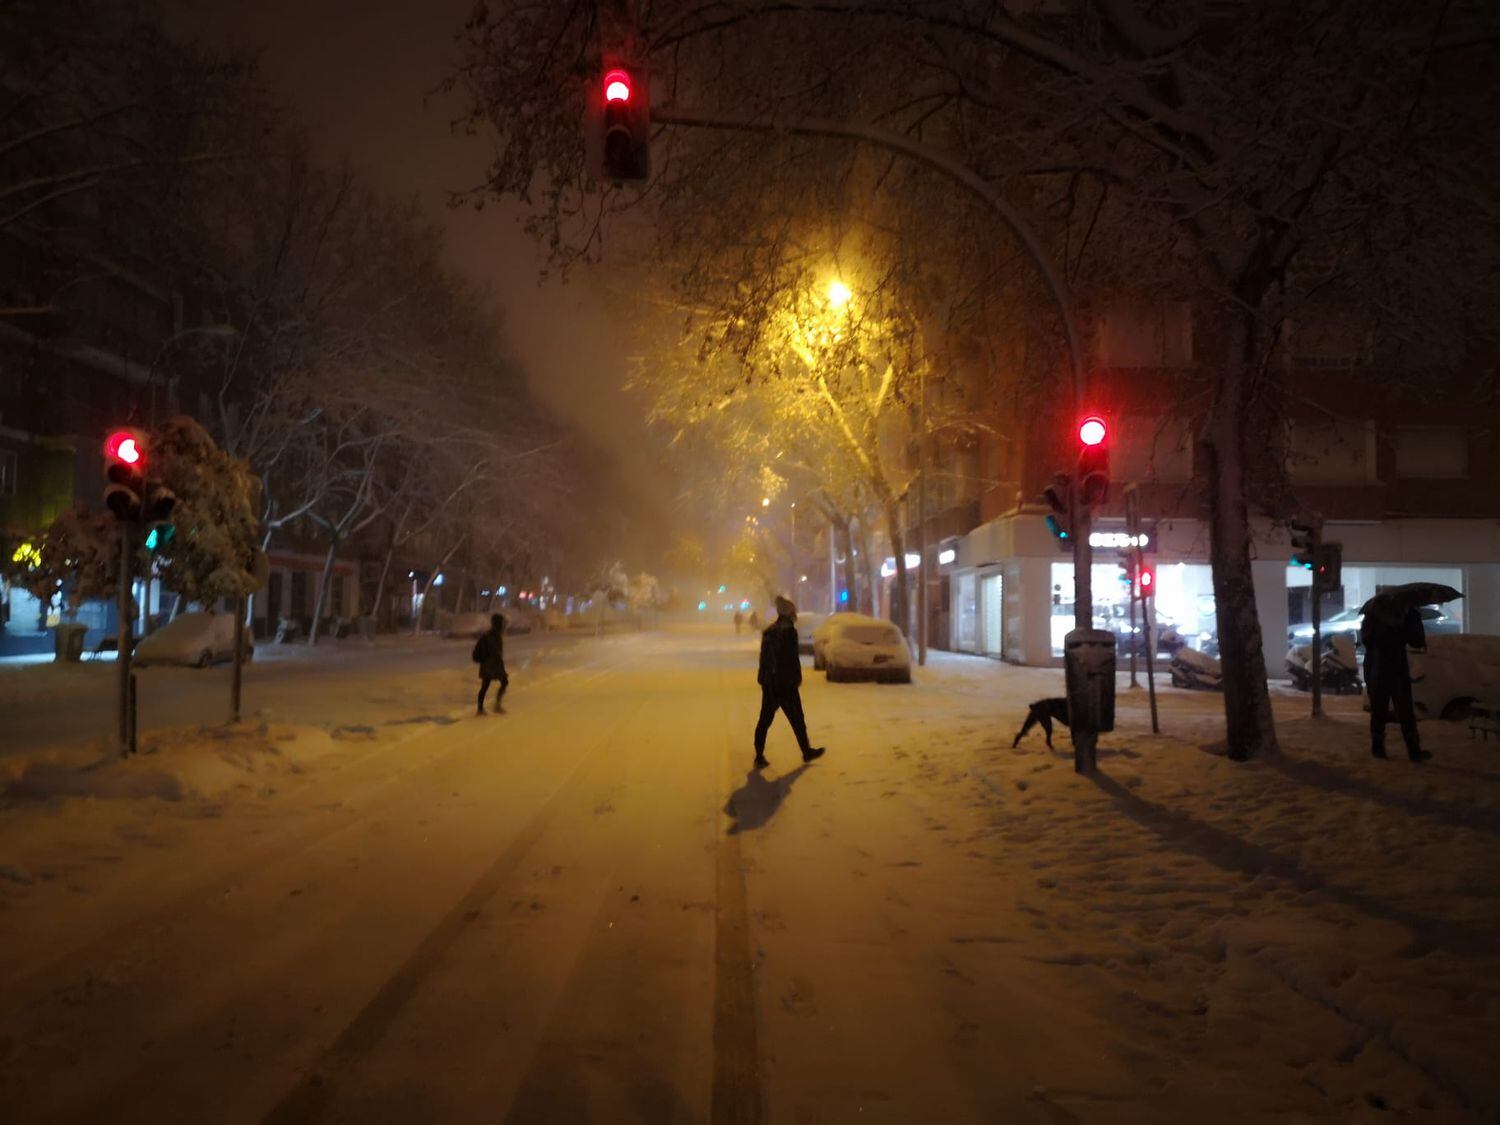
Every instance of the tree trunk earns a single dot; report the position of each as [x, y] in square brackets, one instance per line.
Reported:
[901, 595]
[1247, 700]
[317, 618]
[385, 570]
[845, 540]
[869, 569]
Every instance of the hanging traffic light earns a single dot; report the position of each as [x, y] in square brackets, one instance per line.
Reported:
[125, 473]
[625, 120]
[1057, 496]
[1307, 539]
[1093, 461]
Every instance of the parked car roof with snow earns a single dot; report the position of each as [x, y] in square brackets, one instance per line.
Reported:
[197, 639]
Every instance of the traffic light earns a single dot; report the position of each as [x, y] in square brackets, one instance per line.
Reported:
[157, 513]
[625, 154]
[1127, 573]
[1056, 495]
[1093, 461]
[125, 473]
[1146, 580]
[1328, 567]
[1307, 538]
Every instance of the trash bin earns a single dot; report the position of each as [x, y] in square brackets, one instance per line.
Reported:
[69, 639]
[1089, 656]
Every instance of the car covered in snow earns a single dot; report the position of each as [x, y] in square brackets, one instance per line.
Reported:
[194, 639]
[867, 650]
[807, 625]
[1455, 671]
[826, 628]
[471, 626]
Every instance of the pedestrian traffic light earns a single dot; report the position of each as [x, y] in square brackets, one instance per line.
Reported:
[1057, 496]
[1307, 537]
[124, 473]
[1328, 567]
[1127, 573]
[624, 116]
[1093, 461]
[160, 500]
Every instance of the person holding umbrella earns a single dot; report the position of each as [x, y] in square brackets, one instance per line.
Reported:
[1392, 625]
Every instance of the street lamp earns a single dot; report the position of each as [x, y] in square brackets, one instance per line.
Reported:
[838, 293]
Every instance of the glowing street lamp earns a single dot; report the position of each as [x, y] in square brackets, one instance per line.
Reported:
[765, 502]
[838, 294]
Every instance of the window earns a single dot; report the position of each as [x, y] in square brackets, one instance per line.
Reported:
[1147, 336]
[8, 469]
[1434, 453]
[1341, 452]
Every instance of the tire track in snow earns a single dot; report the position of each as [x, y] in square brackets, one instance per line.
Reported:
[737, 1097]
[307, 1101]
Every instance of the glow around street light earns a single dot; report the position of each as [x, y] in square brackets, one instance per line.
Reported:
[765, 502]
[838, 294]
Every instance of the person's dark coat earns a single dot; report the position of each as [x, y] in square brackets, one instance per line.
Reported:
[1386, 645]
[489, 654]
[780, 668]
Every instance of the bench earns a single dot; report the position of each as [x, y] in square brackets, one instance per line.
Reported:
[1484, 719]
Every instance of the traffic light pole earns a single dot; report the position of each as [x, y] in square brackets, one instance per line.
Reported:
[124, 638]
[1317, 642]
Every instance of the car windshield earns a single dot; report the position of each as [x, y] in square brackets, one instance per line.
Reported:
[871, 634]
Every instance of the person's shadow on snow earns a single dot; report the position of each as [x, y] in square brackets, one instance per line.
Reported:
[756, 802]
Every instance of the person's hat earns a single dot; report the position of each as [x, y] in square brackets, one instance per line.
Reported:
[785, 607]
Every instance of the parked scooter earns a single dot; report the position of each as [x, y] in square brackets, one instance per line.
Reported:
[1192, 669]
[1339, 671]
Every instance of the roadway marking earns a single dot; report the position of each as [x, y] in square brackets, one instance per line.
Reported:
[737, 1098]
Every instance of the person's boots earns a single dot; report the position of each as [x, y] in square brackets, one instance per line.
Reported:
[812, 753]
[1377, 749]
[1417, 754]
[761, 761]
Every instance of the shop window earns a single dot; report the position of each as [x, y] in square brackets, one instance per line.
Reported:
[1432, 453]
[966, 611]
[1184, 604]
[994, 606]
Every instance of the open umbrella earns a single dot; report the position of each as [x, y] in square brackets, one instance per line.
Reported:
[1392, 605]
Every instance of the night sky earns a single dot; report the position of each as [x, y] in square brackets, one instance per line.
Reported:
[362, 75]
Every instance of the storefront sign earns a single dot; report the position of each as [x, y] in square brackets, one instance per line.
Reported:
[1118, 539]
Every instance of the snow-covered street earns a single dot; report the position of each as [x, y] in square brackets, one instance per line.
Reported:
[365, 904]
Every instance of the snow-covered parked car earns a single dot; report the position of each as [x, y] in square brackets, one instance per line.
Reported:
[1456, 670]
[807, 624]
[867, 650]
[825, 630]
[196, 639]
[466, 625]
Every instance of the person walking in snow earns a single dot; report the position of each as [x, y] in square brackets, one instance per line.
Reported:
[489, 654]
[780, 678]
[739, 619]
[1388, 673]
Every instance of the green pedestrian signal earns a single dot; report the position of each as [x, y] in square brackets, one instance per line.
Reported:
[160, 535]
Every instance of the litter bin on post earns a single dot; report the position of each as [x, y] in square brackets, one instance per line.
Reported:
[69, 640]
[1089, 660]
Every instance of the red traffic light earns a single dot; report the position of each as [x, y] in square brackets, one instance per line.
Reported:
[124, 446]
[616, 86]
[1091, 431]
[1148, 576]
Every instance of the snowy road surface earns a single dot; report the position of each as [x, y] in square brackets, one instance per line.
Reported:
[590, 909]
[52, 703]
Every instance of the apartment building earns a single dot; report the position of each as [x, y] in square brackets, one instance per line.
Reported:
[1407, 479]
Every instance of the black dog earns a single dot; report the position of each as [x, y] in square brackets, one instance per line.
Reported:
[1044, 711]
